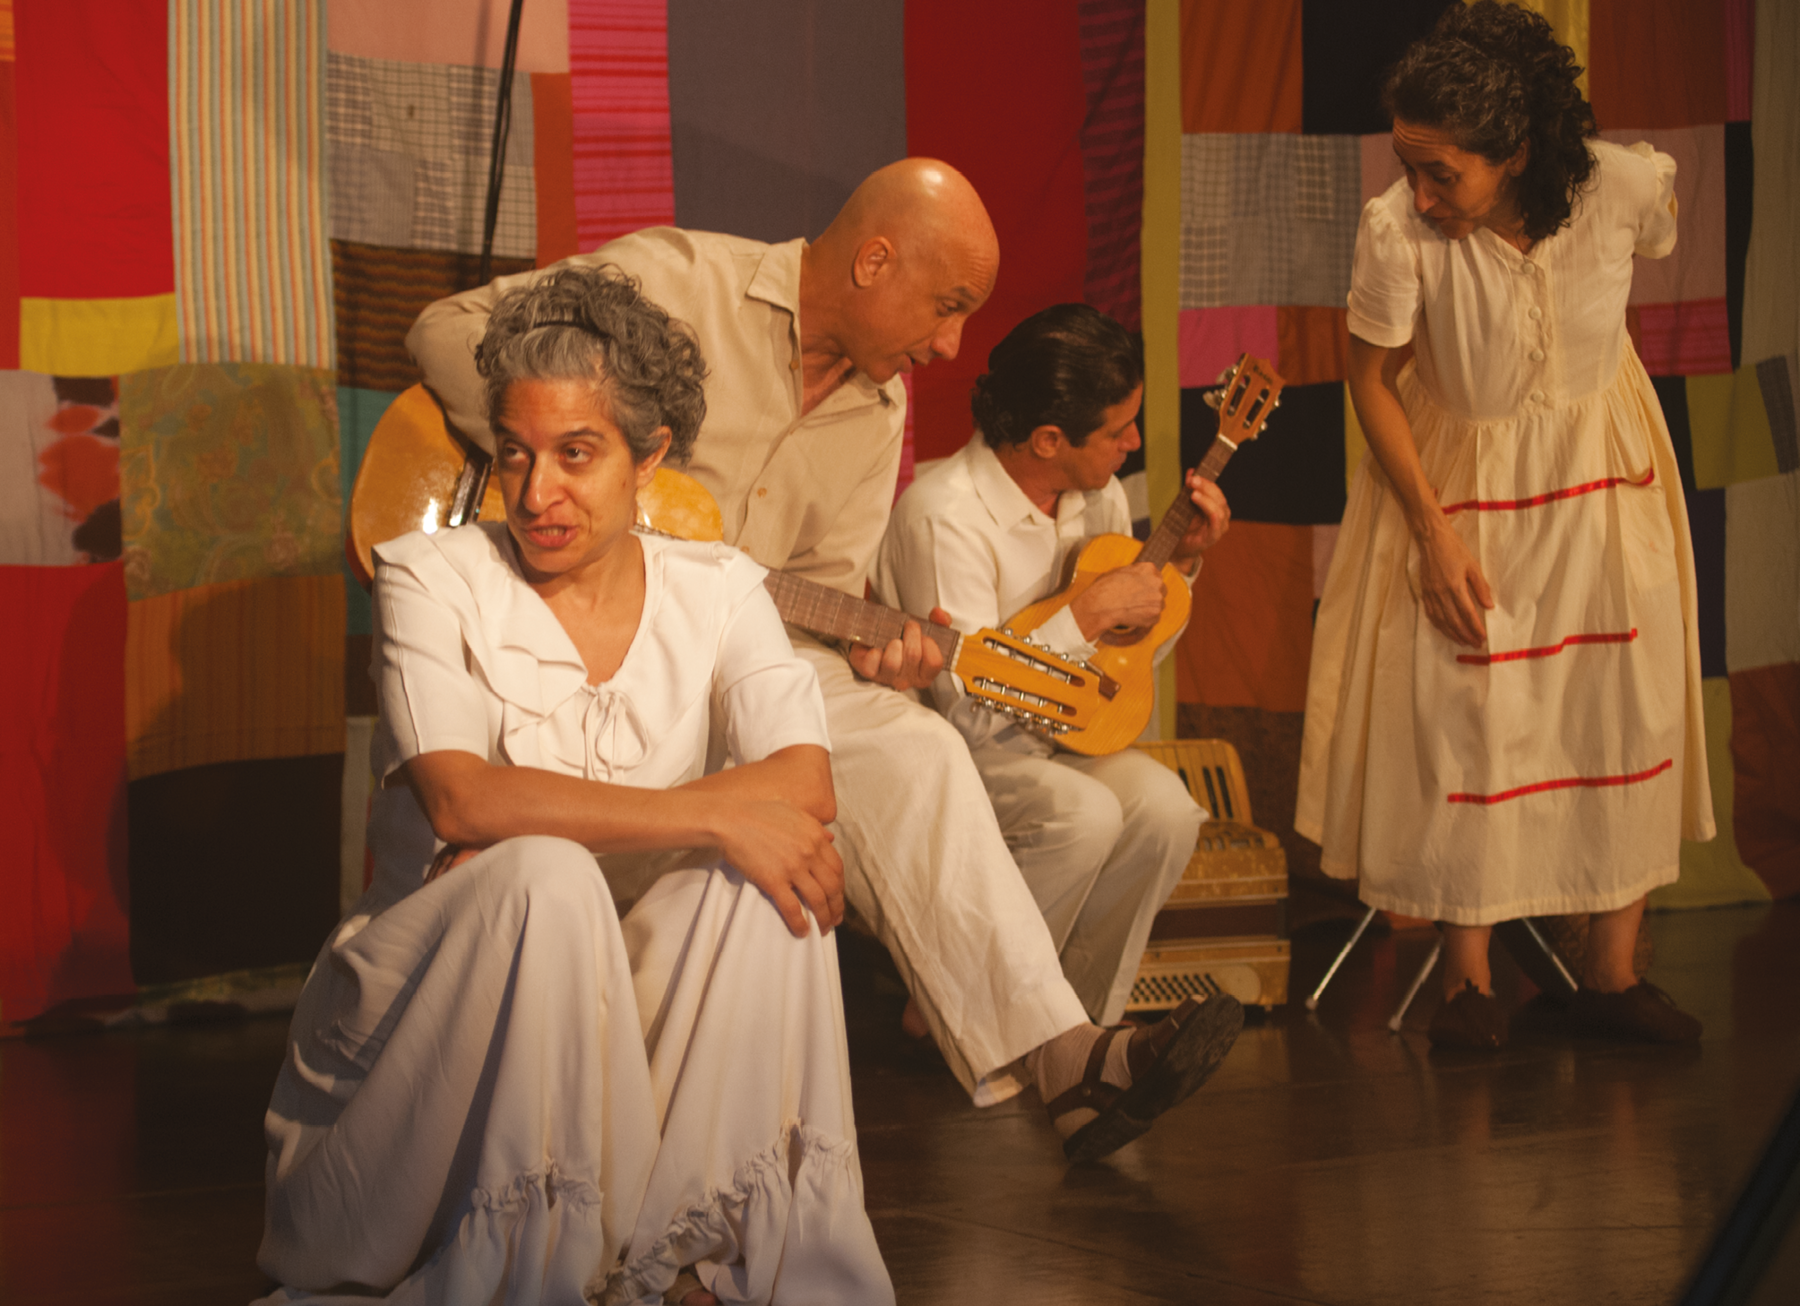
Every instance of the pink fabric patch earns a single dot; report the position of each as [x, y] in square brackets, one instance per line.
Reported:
[1691, 339]
[472, 35]
[1212, 338]
[1380, 165]
[1696, 268]
[619, 85]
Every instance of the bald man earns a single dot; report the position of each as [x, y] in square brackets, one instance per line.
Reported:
[801, 448]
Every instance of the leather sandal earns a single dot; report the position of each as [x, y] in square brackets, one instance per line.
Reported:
[1471, 1020]
[1642, 1013]
[1168, 1061]
[686, 1283]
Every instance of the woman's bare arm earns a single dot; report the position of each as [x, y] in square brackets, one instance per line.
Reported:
[765, 817]
[1452, 589]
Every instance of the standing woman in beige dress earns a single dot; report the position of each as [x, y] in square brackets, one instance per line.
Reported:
[1503, 717]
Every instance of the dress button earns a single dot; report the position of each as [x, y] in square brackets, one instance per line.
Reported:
[1537, 355]
[1537, 396]
[1527, 268]
[1535, 314]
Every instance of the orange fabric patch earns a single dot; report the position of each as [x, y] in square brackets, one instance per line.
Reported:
[1250, 641]
[230, 672]
[1260, 93]
[553, 165]
[1656, 63]
[1314, 343]
[1765, 752]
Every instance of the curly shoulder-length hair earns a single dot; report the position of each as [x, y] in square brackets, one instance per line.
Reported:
[1495, 77]
[594, 324]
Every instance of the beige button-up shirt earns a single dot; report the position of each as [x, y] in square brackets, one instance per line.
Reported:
[965, 538]
[807, 494]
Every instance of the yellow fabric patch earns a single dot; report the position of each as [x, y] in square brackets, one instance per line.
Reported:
[96, 337]
[1355, 443]
[1712, 873]
[1730, 429]
[1160, 269]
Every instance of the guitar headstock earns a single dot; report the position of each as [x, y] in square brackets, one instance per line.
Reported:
[1249, 391]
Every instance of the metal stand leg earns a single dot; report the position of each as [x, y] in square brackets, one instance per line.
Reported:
[1418, 982]
[1312, 1002]
[1536, 957]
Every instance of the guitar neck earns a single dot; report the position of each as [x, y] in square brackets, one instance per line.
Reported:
[1160, 547]
[833, 613]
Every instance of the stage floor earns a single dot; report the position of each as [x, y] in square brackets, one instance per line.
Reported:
[1328, 1161]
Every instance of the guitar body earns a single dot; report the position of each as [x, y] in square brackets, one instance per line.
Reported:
[1129, 658]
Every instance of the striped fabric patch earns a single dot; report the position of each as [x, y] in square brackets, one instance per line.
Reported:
[247, 117]
[1688, 339]
[380, 293]
[1112, 153]
[619, 85]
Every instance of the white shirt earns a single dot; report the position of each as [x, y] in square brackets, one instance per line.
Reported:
[964, 537]
[469, 657]
[807, 494]
[1497, 332]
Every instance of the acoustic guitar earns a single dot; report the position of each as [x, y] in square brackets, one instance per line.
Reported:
[1248, 392]
[418, 474]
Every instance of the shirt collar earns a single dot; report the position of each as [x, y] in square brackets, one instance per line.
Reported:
[1003, 498]
[776, 282]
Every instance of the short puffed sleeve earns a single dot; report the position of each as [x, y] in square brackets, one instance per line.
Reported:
[1385, 284]
[1656, 216]
[768, 697]
[429, 700]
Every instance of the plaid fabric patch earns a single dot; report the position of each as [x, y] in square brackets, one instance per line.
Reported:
[409, 156]
[1268, 219]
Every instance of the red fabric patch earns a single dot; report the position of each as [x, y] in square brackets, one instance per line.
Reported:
[1258, 87]
[9, 222]
[1112, 152]
[93, 149]
[1538, 500]
[1572, 782]
[1765, 755]
[1656, 63]
[553, 163]
[1249, 642]
[1015, 132]
[624, 173]
[63, 922]
[1547, 650]
[1687, 339]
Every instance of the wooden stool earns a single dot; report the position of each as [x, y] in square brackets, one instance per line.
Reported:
[1224, 927]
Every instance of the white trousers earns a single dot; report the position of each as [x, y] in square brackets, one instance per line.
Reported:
[1101, 842]
[495, 1089]
[927, 867]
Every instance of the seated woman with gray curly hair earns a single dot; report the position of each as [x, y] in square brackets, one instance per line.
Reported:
[582, 1038]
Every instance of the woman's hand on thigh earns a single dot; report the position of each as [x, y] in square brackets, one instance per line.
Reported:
[788, 855]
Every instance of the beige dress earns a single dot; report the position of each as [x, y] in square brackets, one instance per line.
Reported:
[544, 1077]
[1556, 769]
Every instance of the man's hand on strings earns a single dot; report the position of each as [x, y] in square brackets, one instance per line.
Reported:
[1208, 528]
[910, 662]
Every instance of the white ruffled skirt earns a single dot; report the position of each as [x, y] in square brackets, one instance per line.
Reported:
[497, 1091]
[1557, 769]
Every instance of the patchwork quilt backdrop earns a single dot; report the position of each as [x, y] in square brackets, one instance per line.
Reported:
[219, 217]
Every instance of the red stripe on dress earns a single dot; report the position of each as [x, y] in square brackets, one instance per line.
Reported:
[1547, 650]
[1508, 505]
[1573, 782]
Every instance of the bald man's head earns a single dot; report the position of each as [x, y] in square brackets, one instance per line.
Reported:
[911, 255]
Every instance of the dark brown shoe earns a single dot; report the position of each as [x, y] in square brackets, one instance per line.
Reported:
[1642, 1013]
[1472, 1019]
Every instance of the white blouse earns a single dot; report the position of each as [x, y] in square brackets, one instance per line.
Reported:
[469, 657]
[1496, 332]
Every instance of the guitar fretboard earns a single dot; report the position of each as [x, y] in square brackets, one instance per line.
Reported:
[832, 613]
[1160, 547]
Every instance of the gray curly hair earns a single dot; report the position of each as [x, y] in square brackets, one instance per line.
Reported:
[594, 324]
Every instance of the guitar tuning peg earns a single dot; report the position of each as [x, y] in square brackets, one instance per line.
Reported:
[1210, 398]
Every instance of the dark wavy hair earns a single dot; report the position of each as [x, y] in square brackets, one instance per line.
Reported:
[1495, 77]
[1062, 367]
[594, 324]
